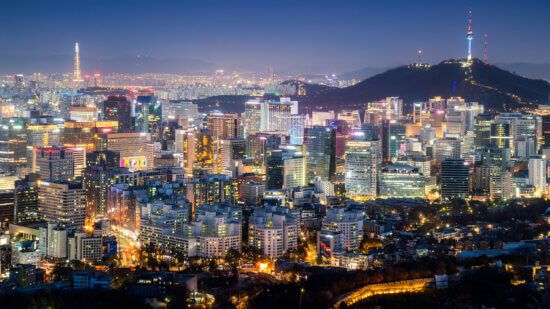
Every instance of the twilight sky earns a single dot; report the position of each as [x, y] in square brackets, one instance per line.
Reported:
[308, 36]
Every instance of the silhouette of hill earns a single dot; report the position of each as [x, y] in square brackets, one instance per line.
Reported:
[487, 84]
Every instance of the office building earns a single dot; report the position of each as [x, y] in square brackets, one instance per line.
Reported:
[26, 199]
[224, 125]
[401, 181]
[275, 115]
[62, 202]
[118, 108]
[537, 174]
[135, 149]
[54, 163]
[363, 158]
[252, 117]
[455, 175]
[232, 151]
[13, 145]
[320, 147]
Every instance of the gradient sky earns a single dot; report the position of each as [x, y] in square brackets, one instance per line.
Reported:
[337, 35]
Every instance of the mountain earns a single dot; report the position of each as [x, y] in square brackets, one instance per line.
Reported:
[496, 88]
[28, 64]
[361, 74]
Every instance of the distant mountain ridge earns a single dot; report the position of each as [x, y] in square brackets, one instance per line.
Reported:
[137, 64]
[496, 88]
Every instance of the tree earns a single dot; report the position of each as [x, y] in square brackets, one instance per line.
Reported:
[233, 258]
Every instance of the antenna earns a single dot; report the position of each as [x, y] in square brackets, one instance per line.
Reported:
[420, 56]
[485, 51]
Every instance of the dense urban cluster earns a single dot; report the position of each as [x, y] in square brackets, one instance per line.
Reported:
[142, 194]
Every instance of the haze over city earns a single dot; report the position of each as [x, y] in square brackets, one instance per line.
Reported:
[293, 37]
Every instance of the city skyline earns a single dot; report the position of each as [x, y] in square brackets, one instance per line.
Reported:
[305, 38]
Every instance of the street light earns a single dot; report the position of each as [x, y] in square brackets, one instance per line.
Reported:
[302, 290]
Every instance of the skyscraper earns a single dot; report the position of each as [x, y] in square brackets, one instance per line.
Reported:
[252, 117]
[274, 165]
[77, 77]
[454, 178]
[26, 199]
[232, 150]
[13, 145]
[537, 174]
[363, 158]
[320, 147]
[500, 135]
[275, 115]
[118, 108]
[224, 125]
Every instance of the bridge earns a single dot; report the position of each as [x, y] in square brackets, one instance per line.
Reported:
[407, 286]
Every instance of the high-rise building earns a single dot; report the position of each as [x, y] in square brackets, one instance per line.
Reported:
[232, 150]
[54, 163]
[447, 148]
[482, 129]
[455, 175]
[252, 117]
[13, 145]
[77, 77]
[224, 125]
[135, 149]
[537, 174]
[320, 147]
[500, 135]
[297, 127]
[175, 109]
[349, 223]
[294, 170]
[83, 113]
[118, 108]
[62, 202]
[394, 136]
[217, 229]
[6, 206]
[97, 178]
[198, 152]
[26, 199]
[85, 134]
[105, 158]
[273, 230]
[44, 134]
[388, 109]
[212, 189]
[274, 165]
[275, 115]
[545, 124]
[320, 118]
[362, 161]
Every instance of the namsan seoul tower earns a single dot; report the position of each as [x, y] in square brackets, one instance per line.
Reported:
[76, 73]
[470, 35]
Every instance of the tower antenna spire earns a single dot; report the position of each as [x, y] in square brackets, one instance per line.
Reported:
[470, 35]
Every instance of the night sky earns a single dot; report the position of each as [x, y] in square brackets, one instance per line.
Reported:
[300, 35]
